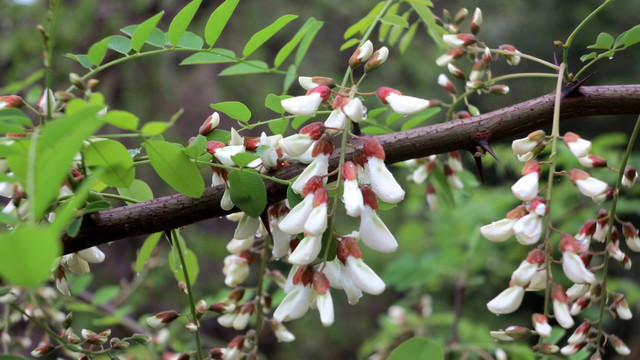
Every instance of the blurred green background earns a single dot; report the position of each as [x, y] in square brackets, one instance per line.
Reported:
[437, 250]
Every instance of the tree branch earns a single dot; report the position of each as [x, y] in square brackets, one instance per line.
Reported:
[178, 210]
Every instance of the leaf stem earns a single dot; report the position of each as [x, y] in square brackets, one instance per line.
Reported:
[49, 43]
[192, 304]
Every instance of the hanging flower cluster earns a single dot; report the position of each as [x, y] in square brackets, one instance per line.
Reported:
[526, 223]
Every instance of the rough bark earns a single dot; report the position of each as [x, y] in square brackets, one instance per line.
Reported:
[178, 210]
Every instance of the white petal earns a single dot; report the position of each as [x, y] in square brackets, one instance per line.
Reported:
[226, 203]
[92, 255]
[353, 292]
[580, 148]
[577, 290]
[507, 301]
[420, 174]
[363, 277]
[236, 246]
[293, 222]
[406, 105]
[280, 241]
[382, 181]
[325, 308]
[352, 198]
[306, 251]
[538, 281]
[591, 186]
[306, 82]
[247, 227]
[526, 188]
[374, 233]
[295, 145]
[335, 120]
[318, 167]
[499, 230]
[294, 305]
[305, 105]
[528, 229]
[316, 224]
[524, 273]
[224, 154]
[354, 110]
[332, 271]
[575, 270]
[561, 312]
[78, 265]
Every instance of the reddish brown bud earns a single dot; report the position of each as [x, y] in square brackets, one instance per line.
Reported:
[320, 196]
[314, 130]
[11, 101]
[320, 283]
[323, 146]
[212, 146]
[348, 246]
[373, 148]
[369, 197]
[310, 187]
[349, 171]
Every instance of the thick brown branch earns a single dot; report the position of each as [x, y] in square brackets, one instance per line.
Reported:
[179, 210]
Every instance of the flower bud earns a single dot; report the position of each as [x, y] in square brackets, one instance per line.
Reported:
[307, 104]
[459, 40]
[499, 89]
[455, 71]
[446, 84]
[588, 185]
[76, 80]
[378, 58]
[42, 350]
[507, 301]
[160, 319]
[548, 348]
[449, 56]
[561, 304]
[620, 347]
[476, 21]
[11, 101]
[210, 124]
[512, 57]
[592, 161]
[630, 176]
[141, 338]
[362, 54]
[541, 324]
[579, 147]
[621, 307]
[47, 101]
[310, 82]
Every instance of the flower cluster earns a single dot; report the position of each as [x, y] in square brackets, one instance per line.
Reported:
[577, 252]
[422, 170]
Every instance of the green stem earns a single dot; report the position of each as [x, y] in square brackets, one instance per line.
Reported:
[567, 43]
[119, 197]
[259, 313]
[523, 75]
[40, 324]
[612, 216]
[526, 56]
[555, 132]
[50, 42]
[192, 303]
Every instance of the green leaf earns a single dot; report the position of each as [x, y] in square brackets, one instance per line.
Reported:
[120, 44]
[273, 102]
[383, 30]
[97, 206]
[419, 118]
[190, 260]
[248, 192]
[396, 31]
[74, 227]
[174, 167]
[293, 198]
[244, 159]
[349, 43]
[218, 20]
[286, 50]
[213, 56]
[434, 30]
[604, 41]
[364, 23]
[145, 251]
[628, 37]
[219, 135]
[299, 120]
[138, 190]
[290, 77]
[417, 348]
[198, 147]
[82, 59]
[105, 294]
[154, 128]
[234, 109]
[13, 120]
[279, 126]
[182, 20]
[143, 31]
[374, 130]
[392, 19]
[157, 37]
[190, 40]
[122, 119]
[27, 254]
[265, 34]
[56, 148]
[474, 111]
[246, 67]
[307, 40]
[11, 357]
[114, 158]
[407, 37]
[97, 51]
[589, 56]
[68, 210]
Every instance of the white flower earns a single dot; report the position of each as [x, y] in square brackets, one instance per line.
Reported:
[79, 262]
[293, 223]
[577, 290]
[306, 251]
[541, 324]
[588, 185]
[363, 277]
[374, 233]
[239, 245]
[382, 181]
[406, 105]
[507, 301]
[307, 105]
[538, 281]
[325, 308]
[281, 332]
[498, 231]
[280, 238]
[526, 188]
[335, 120]
[224, 154]
[579, 147]
[235, 269]
[619, 346]
[528, 229]
[247, 227]
[561, 305]
[296, 144]
[575, 270]
[354, 110]
[524, 273]
[353, 292]
[318, 167]
[352, 198]
[294, 305]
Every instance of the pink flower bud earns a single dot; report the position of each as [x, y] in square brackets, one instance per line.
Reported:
[446, 84]
[11, 101]
[619, 345]
[378, 58]
[580, 334]
[459, 40]
[630, 176]
[621, 307]
[362, 54]
[455, 71]
[310, 82]
[452, 178]
[571, 349]
[631, 236]
[579, 147]
[47, 102]
[42, 350]
[403, 104]
[314, 130]
[432, 199]
[476, 21]
[592, 161]
[541, 324]
[307, 105]
[210, 124]
[160, 319]
[513, 55]
[449, 56]
[499, 89]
